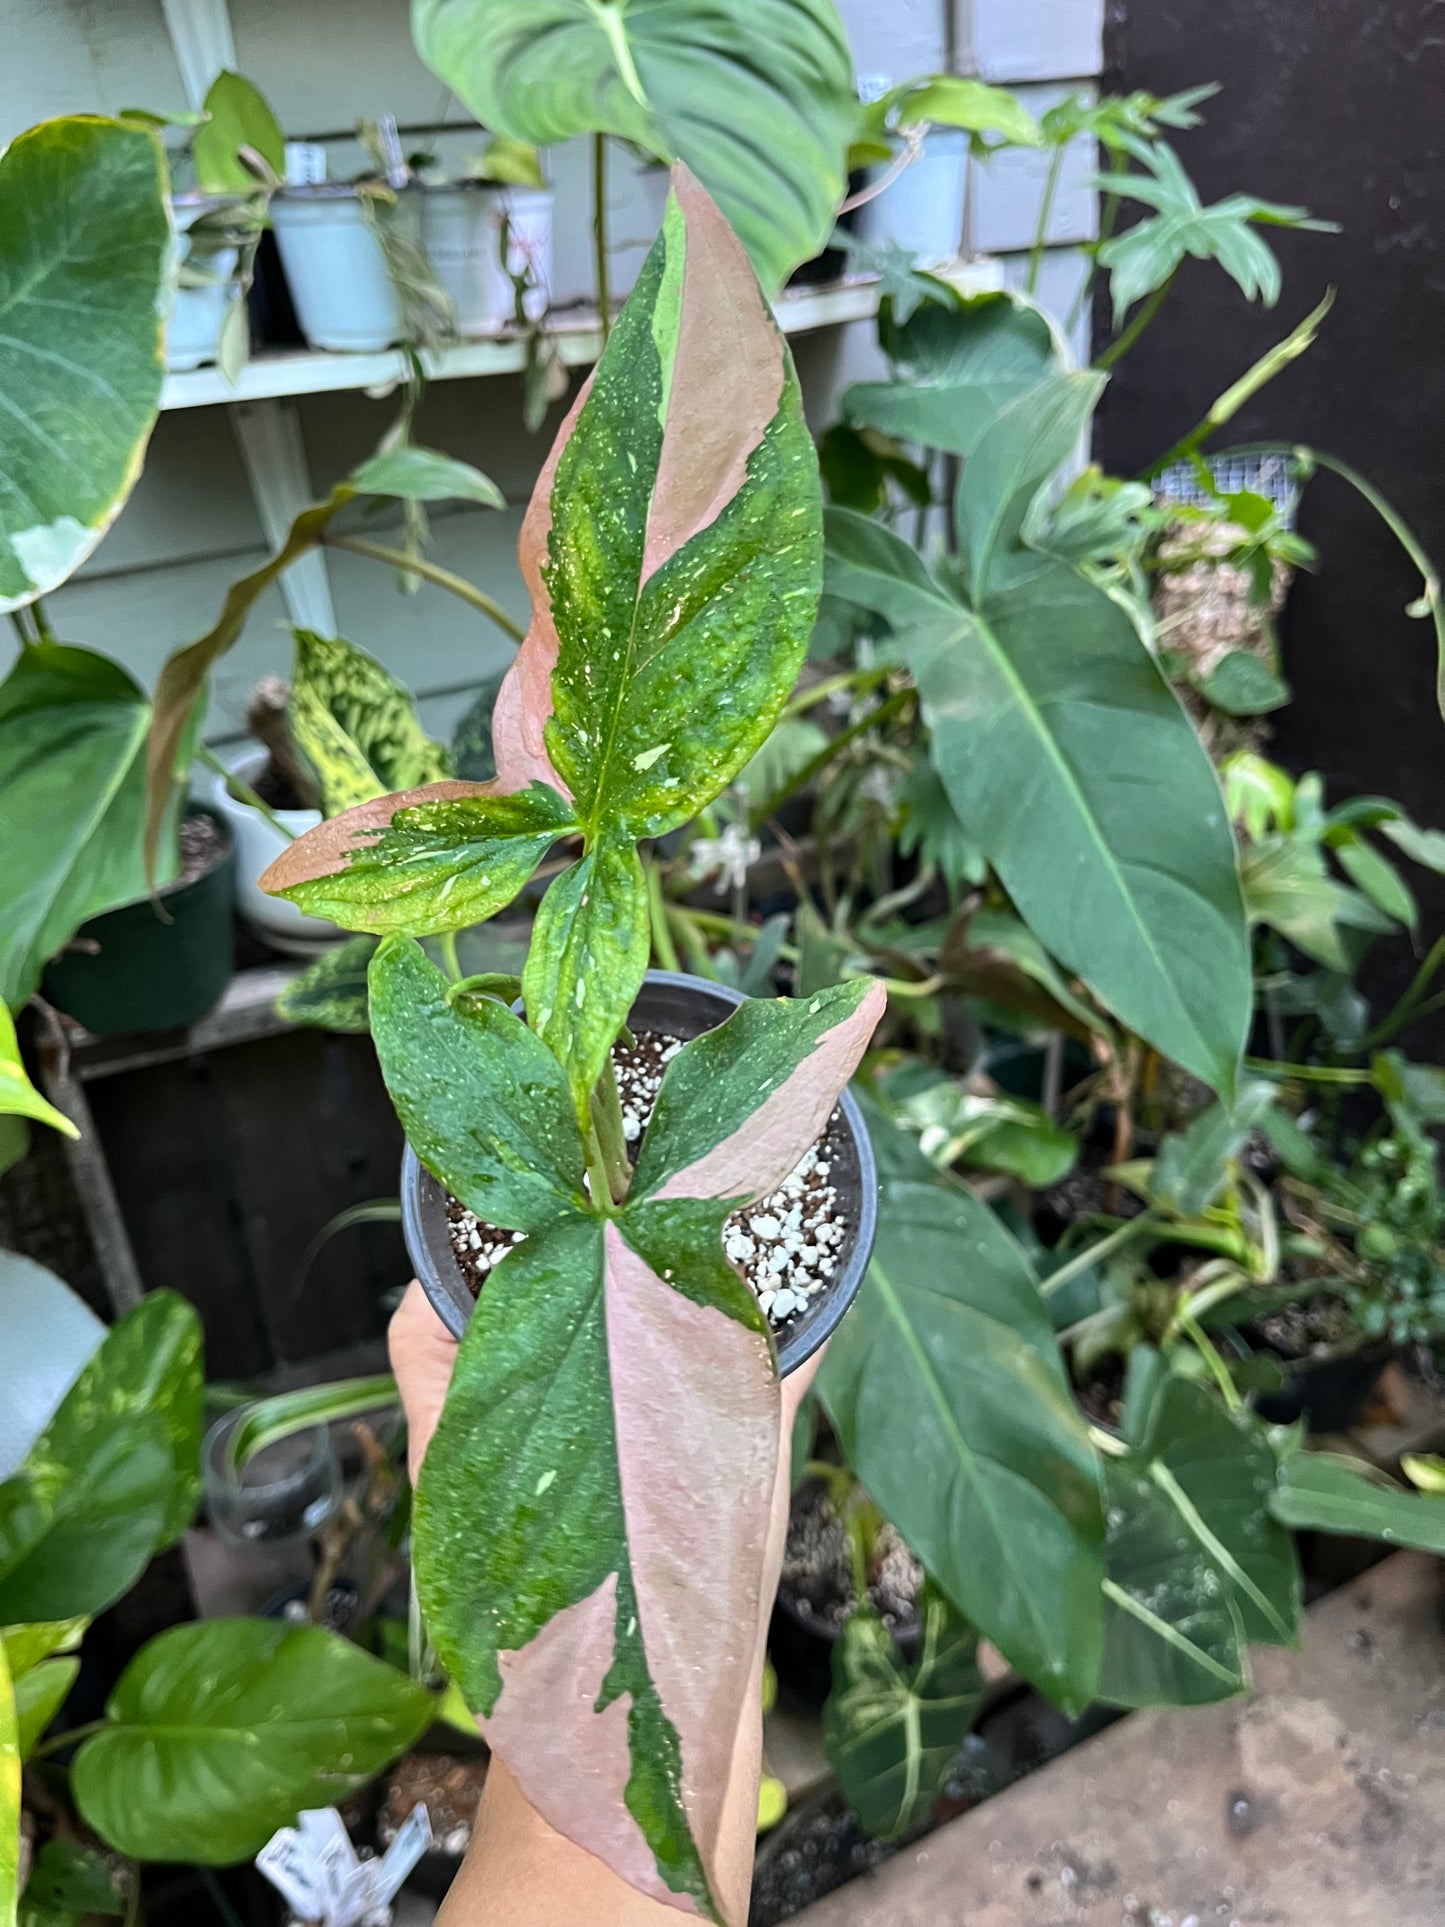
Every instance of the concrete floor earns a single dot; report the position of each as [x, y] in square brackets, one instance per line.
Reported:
[1316, 1801]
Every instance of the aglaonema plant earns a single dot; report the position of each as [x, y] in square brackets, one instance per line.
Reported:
[591, 1515]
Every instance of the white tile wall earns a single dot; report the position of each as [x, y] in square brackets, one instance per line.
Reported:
[1035, 39]
[1007, 192]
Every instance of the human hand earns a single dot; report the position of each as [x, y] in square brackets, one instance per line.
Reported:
[519, 1869]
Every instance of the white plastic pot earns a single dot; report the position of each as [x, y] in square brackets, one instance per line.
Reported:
[461, 231]
[342, 292]
[922, 210]
[194, 335]
[258, 844]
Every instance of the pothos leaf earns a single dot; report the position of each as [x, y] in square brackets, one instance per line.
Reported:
[540, 1492]
[357, 725]
[893, 1728]
[237, 117]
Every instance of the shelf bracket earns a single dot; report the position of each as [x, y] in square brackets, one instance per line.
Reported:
[200, 32]
[268, 434]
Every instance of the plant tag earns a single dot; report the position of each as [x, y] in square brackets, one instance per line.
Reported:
[315, 1868]
[305, 164]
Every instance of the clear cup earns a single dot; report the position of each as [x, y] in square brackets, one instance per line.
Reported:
[286, 1492]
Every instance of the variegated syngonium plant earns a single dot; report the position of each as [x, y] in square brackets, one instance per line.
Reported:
[591, 1517]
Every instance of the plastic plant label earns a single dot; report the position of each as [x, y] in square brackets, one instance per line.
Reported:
[318, 1873]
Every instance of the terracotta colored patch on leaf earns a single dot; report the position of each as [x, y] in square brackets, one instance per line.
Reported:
[326, 850]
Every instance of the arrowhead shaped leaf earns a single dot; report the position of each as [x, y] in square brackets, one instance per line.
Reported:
[955, 368]
[893, 1728]
[238, 117]
[1197, 1564]
[766, 136]
[357, 725]
[85, 239]
[1326, 1492]
[946, 1389]
[219, 1732]
[1069, 760]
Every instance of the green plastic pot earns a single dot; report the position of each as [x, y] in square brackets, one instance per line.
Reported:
[146, 973]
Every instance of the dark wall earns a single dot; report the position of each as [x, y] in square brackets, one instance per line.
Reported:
[1339, 105]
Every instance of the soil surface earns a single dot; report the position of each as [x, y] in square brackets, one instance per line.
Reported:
[789, 1246]
[817, 1572]
[448, 1785]
[278, 792]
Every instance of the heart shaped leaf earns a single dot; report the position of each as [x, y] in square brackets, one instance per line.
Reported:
[766, 136]
[221, 1731]
[85, 240]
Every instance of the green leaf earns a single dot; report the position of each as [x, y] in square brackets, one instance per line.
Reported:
[39, 1696]
[9, 1798]
[1326, 1492]
[993, 1133]
[1192, 1167]
[85, 241]
[590, 948]
[1425, 847]
[954, 369]
[413, 474]
[67, 1881]
[481, 1098]
[1143, 257]
[1241, 685]
[428, 860]
[1046, 710]
[330, 993]
[1197, 1565]
[72, 735]
[114, 1475]
[1381, 882]
[357, 725]
[991, 954]
[18, 1096]
[1287, 886]
[27, 1646]
[238, 117]
[766, 137]
[892, 1729]
[947, 1392]
[949, 100]
[221, 1731]
[1017, 452]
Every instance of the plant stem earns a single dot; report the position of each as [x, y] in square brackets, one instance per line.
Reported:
[447, 944]
[432, 572]
[1305, 1073]
[1120, 347]
[606, 1108]
[242, 791]
[662, 942]
[41, 621]
[1046, 214]
[1430, 602]
[1106, 1247]
[132, 1898]
[1209, 1353]
[599, 233]
[815, 764]
[1409, 1004]
[72, 1736]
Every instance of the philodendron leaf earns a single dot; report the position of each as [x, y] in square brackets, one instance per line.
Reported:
[766, 136]
[947, 1391]
[1192, 1166]
[1327, 1492]
[433, 859]
[330, 994]
[72, 734]
[18, 1096]
[1069, 761]
[1197, 1564]
[555, 1545]
[408, 474]
[221, 1731]
[68, 1883]
[237, 117]
[114, 1475]
[85, 241]
[955, 368]
[9, 1797]
[893, 1727]
[357, 725]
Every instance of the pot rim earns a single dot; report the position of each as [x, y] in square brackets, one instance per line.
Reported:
[453, 1303]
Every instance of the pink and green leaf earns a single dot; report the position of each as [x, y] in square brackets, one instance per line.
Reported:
[424, 861]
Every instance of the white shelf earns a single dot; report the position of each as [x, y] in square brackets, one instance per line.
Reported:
[578, 337]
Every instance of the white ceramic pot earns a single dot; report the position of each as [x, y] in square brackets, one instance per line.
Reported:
[461, 230]
[922, 210]
[194, 335]
[343, 294]
[258, 844]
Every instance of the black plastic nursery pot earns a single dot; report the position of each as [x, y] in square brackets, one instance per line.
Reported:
[133, 969]
[682, 1007]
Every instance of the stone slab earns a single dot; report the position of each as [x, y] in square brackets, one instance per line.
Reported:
[1316, 1801]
